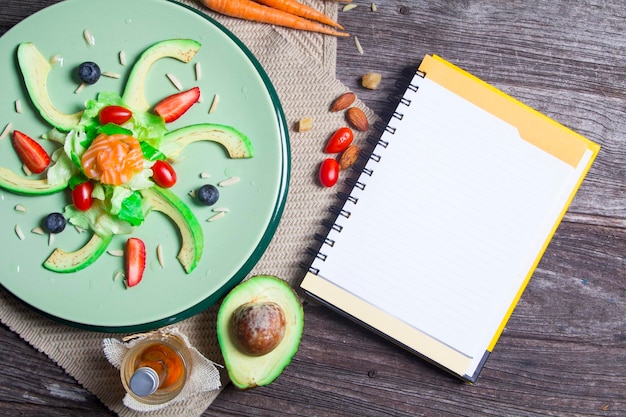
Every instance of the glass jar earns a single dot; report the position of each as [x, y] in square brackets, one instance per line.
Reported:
[155, 369]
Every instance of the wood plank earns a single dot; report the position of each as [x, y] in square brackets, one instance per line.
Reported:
[564, 349]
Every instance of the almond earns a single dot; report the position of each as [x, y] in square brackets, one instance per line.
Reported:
[349, 157]
[357, 119]
[343, 102]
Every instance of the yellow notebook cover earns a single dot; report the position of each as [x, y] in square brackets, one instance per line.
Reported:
[449, 218]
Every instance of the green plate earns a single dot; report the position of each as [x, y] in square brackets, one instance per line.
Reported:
[91, 298]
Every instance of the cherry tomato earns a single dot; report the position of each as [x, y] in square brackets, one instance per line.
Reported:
[81, 196]
[340, 140]
[163, 174]
[329, 172]
[114, 114]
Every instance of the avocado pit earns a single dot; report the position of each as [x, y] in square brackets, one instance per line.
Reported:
[258, 327]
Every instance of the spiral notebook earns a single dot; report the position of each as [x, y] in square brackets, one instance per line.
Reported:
[449, 217]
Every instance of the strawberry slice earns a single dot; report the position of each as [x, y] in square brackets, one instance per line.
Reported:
[30, 152]
[174, 106]
[135, 261]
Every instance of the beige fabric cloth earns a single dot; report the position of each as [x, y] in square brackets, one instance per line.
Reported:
[203, 376]
[302, 68]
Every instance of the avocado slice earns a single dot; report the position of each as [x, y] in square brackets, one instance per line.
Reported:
[236, 143]
[134, 93]
[246, 370]
[20, 185]
[35, 69]
[61, 261]
[168, 203]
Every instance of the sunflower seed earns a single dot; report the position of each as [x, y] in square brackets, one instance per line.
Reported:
[18, 232]
[89, 37]
[175, 82]
[229, 181]
[160, 256]
[198, 71]
[80, 88]
[111, 74]
[359, 48]
[216, 100]
[6, 130]
[216, 217]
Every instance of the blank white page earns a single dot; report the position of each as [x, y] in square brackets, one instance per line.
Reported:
[450, 222]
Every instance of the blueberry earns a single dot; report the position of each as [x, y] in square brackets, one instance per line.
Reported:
[55, 222]
[208, 194]
[89, 72]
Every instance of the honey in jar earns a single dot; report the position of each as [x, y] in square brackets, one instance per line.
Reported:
[155, 370]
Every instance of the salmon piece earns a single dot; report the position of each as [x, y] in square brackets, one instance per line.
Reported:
[113, 159]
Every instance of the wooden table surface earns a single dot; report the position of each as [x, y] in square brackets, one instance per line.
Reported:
[563, 352]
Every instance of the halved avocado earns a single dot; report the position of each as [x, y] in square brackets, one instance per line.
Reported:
[134, 93]
[9, 180]
[61, 261]
[244, 369]
[35, 68]
[236, 143]
[191, 233]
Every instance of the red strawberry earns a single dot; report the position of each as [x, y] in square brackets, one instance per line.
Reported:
[174, 106]
[30, 152]
[135, 261]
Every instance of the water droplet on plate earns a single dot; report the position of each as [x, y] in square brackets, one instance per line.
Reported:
[57, 61]
[155, 265]
[230, 172]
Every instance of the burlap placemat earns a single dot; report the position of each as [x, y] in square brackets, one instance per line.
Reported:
[302, 68]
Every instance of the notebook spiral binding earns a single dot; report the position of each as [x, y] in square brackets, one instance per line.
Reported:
[376, 141]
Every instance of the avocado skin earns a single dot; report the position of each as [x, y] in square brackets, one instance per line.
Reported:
[20, 185]
[134, 92]
[35, 68]
[192, 236]
[246, 371]
[67, 262]
[236, 143]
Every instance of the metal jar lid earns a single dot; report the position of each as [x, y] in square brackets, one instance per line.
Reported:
[144, 382]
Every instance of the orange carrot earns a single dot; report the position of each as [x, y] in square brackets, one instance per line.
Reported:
[302, 10]
[249, 10]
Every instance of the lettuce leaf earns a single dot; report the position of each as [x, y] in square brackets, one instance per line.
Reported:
[62, 169]
[98, 219]
[132, 209]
